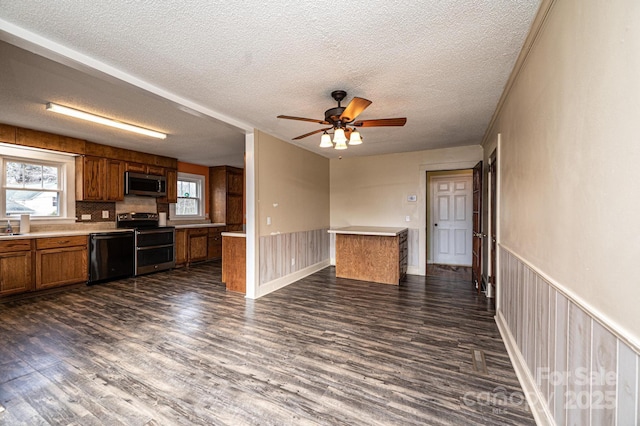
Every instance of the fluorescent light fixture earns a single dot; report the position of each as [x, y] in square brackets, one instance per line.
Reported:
[102, 120]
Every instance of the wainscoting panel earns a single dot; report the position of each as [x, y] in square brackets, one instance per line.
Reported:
[285, 254]
[581, 371]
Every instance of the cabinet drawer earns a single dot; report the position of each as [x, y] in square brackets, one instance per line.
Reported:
[15, 245]
[198, 231]
[215, 232]
[56, 242]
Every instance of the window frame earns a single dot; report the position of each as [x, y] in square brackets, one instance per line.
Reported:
[201, 185]
[65, 163]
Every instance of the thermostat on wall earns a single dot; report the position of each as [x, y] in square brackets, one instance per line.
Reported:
[412, 198]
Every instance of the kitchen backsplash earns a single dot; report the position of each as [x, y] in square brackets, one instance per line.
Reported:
[95, 209]
[130, 204]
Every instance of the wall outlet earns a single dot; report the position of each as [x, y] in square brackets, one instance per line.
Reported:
[407, 218]
[293, 261]
[86, 217]
[105, 214]
[268, 220]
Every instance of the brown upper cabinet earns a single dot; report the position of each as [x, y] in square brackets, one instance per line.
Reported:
[147, 169]
[99, 179]
[114, 180]
[227, 192]
[172, 187]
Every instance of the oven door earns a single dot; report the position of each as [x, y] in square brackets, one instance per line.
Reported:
[155, 250]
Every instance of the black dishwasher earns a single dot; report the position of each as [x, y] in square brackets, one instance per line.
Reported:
[111, 256]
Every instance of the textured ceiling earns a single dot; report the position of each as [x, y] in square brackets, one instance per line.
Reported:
[441, 64]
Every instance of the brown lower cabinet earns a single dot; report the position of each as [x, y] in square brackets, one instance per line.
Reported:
[37, 264]
[61, 261]
[15, 267]
[181, 247]
[214, 249]
[234, 263]
[198, 244]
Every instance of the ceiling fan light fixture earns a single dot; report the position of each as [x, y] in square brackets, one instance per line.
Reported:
[71, 112]
[325, 141]
[341, 144]
[355, 138]
[339, 137]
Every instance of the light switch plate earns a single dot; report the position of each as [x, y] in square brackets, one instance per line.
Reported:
[86, 217]
[105, 214]
[407, 218]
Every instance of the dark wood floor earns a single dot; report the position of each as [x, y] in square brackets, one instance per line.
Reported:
[176, 348]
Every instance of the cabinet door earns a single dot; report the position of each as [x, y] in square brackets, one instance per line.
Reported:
[197, 245]
[172, 187]
[214, 243]
[234, 209]
[136, 168]
[235, 184]
[114, 185]
[61, 266]
[155, 170]
[214, 248]
[90, 178]
[181, 246]
[15, 272]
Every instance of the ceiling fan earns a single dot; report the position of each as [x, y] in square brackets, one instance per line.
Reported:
[341, 118]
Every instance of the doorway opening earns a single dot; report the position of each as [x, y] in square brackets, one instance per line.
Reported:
[449, 223]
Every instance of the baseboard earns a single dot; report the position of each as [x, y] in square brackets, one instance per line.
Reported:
[535, 399]
[281, 282]
[414, 270]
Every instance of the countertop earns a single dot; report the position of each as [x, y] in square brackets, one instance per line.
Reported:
[381, 231]
[199, 225]
[63, 233]
[73, 232]
[239, 234]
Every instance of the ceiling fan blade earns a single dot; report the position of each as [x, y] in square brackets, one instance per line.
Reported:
[312, 120]
[311, 133]
[354, 109]
[381, 122]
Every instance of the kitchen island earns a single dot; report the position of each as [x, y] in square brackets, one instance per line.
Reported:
[371, 253]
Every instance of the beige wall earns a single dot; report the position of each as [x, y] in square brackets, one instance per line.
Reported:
[569, 158]
[292, 187]
[373, 191]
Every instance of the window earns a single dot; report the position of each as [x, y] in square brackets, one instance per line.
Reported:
[31, 188]
[36, 183]
[190, 203]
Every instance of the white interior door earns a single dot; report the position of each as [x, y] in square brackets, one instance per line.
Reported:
[452, 224]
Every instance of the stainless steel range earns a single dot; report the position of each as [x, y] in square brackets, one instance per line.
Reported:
[154, 245]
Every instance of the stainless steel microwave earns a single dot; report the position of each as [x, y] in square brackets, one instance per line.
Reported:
[141, 184]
